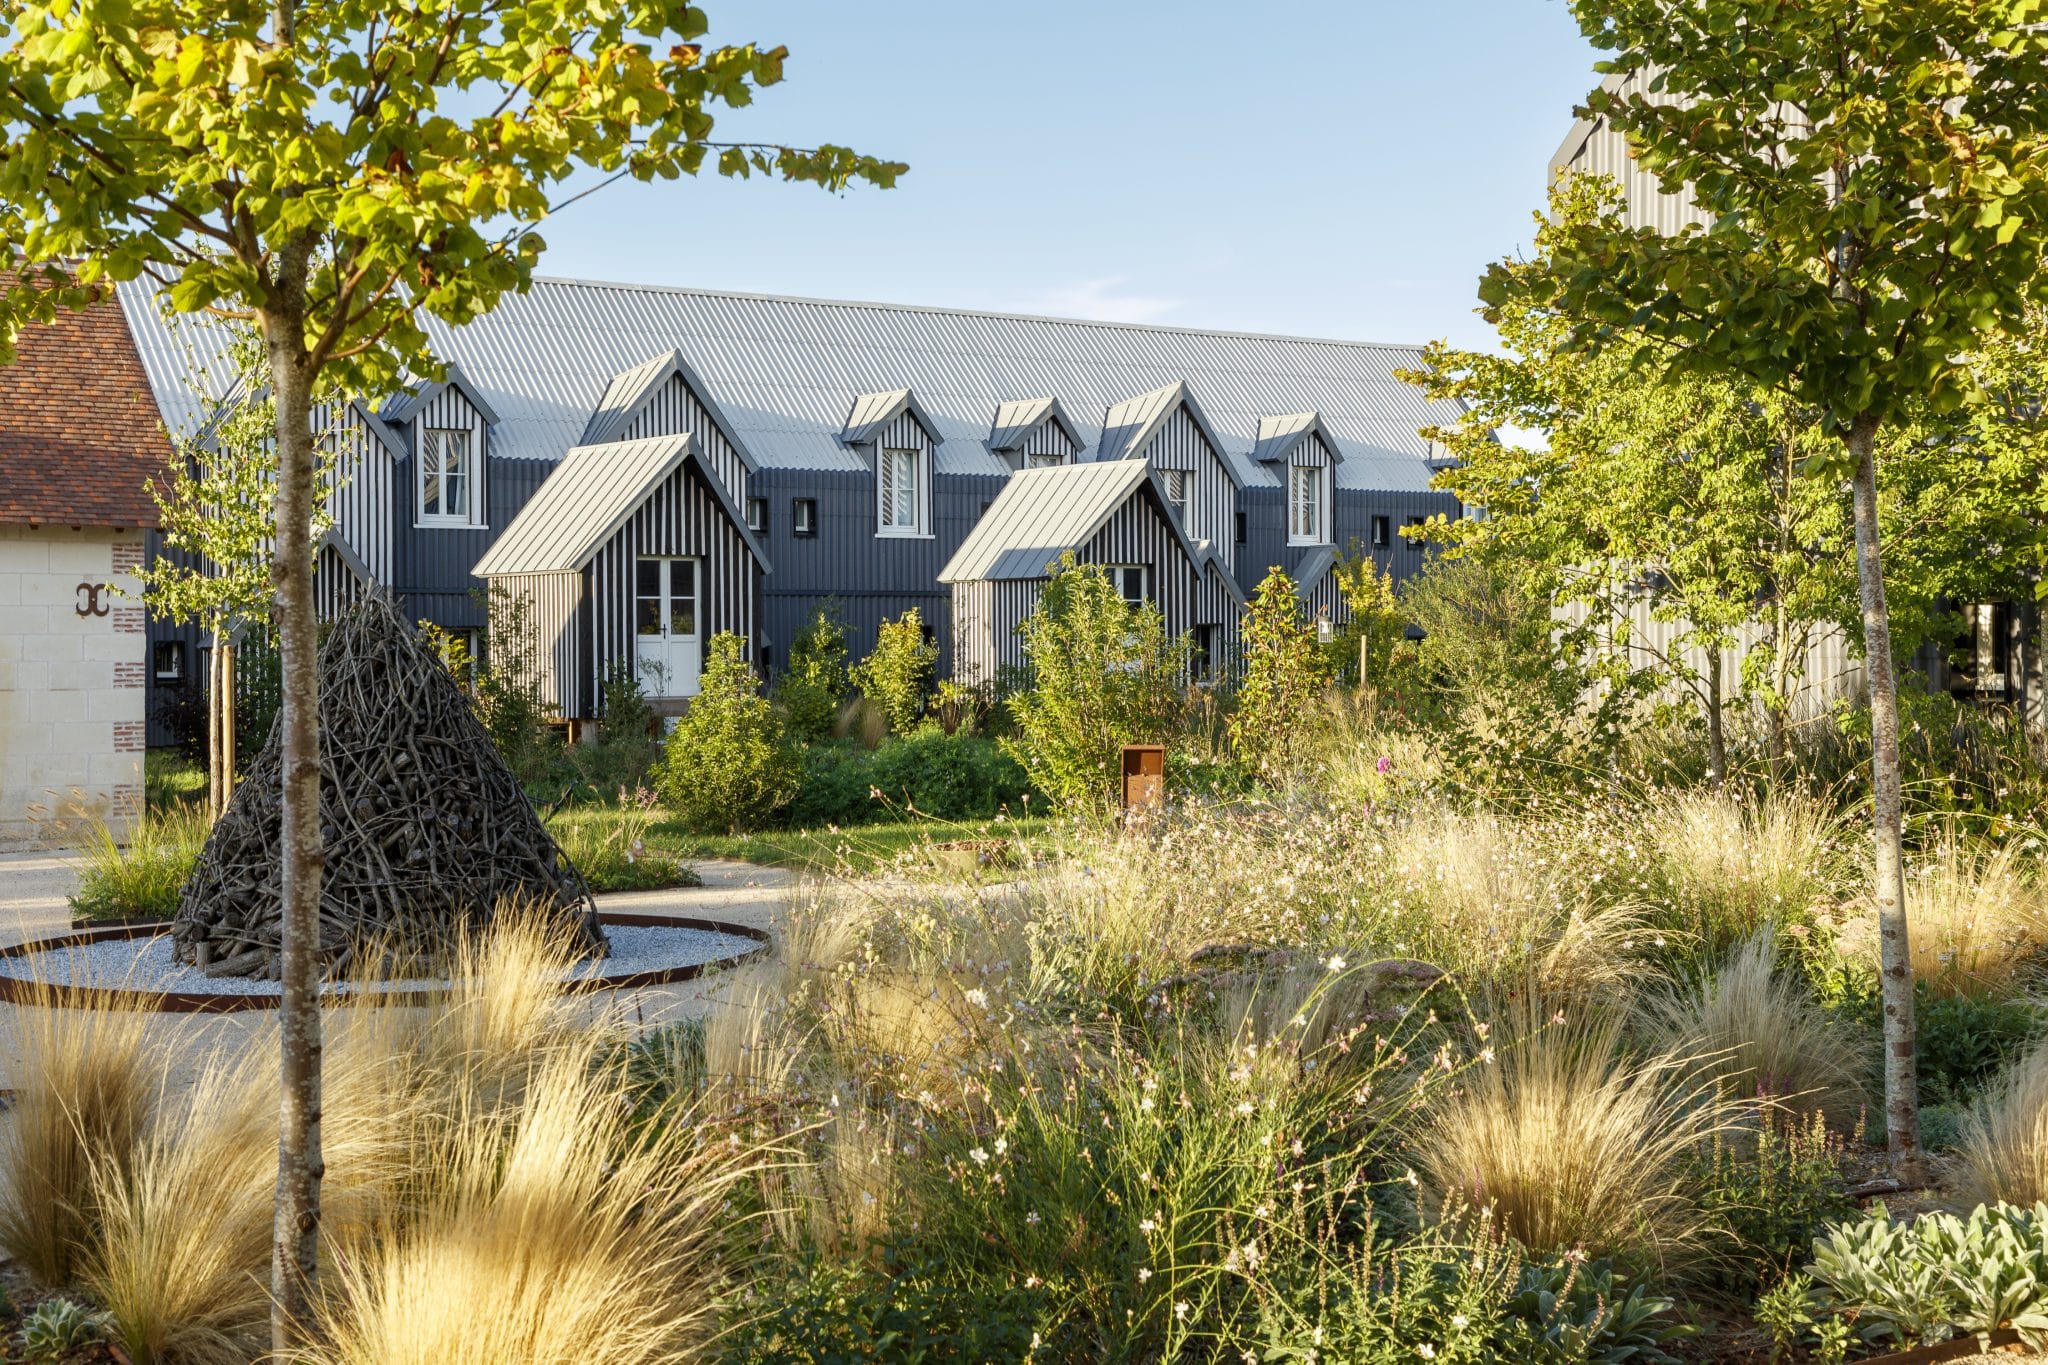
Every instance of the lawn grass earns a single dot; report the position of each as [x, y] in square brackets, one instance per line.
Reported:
[855, 849]
[169, 778]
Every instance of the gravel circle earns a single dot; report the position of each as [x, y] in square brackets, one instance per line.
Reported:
[146, 964]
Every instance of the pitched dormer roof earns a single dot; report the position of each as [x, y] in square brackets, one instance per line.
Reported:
[629, 391]
[1043, 513]
[405, 408]
[1128, 427]
[1019, 417]
[873, 412]
[1278, 436]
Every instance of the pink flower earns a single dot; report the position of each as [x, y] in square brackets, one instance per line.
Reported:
[1385, 765]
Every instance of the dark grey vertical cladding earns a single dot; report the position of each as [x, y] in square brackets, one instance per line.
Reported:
[1212, 497]
[1323, 598]
[361, 488]
[986, 616]
[336, 587]
[672, 410]
[430, 564]
[553, 603]
[1265, 544]
[1138, 533]
[681, 517]
[162, 699]
[1356, 508]
[1047, 438]
[870, 578]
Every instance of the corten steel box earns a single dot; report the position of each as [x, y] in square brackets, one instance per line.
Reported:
[1144, 776]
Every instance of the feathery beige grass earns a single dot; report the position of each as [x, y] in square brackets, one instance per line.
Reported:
[1757, 1030]
[1727, 865]
[550, 1235]
[1573, 1145]
[2004, 1149]
[85, 1081]
[1979, 917]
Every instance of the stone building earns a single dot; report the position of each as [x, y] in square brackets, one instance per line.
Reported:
[80, 441]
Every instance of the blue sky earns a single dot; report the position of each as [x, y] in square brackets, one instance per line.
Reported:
[1311, 167]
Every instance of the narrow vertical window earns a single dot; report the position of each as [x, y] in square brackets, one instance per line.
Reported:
[1415, 542]
[897, 474]
[757, 514]
[1176, 483]
[445, 475]
[1304, 504]
[1382, 532]
[803, 517]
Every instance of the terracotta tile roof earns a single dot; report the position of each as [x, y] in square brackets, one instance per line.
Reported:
[79, 433]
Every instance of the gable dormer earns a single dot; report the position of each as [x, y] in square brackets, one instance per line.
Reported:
[1167, 429]
[1303, 456]
[445, 428]
[900, 443]
[1034, 433]
[663, 396]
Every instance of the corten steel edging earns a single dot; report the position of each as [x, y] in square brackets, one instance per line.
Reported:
[1957, 1349]
[21, 990]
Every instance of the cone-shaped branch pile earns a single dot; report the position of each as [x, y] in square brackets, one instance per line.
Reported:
[426, 829]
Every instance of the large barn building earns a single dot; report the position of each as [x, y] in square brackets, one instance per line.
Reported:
[646, 466]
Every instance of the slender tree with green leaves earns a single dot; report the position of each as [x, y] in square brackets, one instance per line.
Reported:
[335, 175]
[1675, 498]
[1876, 173]
[1286, 673]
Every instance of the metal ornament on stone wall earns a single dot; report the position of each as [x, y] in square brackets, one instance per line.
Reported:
[426, 831]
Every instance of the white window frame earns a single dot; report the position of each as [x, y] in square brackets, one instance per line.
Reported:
[1174, 483]
[432, 461]
[892, 517]
[1116, 574]
[1314, 528]
[757, 514]
[1044, 459]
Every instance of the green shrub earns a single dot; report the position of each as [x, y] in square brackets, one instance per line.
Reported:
[1939, 1277]
[59, 1326]
[728, 767]
[1285, 674]
[1466, 1294]
[1103, 674]
[949, 777]
[142, 879]
[900, 674]
[1771, 1192]
[815, 680]
[826, 1311]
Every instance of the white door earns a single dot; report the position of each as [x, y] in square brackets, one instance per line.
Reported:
[668, 652]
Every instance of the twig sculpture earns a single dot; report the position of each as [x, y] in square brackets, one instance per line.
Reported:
[426, 829]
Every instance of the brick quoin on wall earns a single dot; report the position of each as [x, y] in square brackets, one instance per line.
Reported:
[127, 558]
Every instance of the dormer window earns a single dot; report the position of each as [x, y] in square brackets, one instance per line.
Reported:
[899, 477]
[1041, 459]
[1175, 481]
[1307, 516]
[447, 477]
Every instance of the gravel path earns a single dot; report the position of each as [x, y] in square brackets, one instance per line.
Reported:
[146, 964]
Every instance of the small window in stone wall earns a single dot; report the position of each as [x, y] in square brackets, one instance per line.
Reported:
[167, 661]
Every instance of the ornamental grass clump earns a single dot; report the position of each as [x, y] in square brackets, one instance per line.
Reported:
[557, 1232]
[1576, 1145]
[142, 877]
[85, 1076]
[2003, 1154]
[1758, 1032]
[1726, 865]
[1979, 917]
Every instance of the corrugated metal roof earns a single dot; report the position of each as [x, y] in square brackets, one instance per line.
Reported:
[1017, 418]
[1043, 513]
[784, 371]
[873, 412]
[404, 408]
[587, 498]
[1278, 436]
[631, 388]
[1309, 571]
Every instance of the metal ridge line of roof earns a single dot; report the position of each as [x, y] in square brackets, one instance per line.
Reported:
[943, 310]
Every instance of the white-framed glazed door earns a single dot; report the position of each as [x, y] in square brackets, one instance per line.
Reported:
[668, 653]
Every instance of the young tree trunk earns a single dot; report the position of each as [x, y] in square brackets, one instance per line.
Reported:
[229, 757]
[1901, 1083]
[294, 1257]
[216, 798]
[1717, 735]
